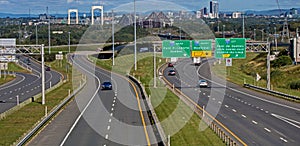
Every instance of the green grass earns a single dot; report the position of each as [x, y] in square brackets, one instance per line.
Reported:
[21, 121]
[6, 79]
[244, 70]
[177, 118]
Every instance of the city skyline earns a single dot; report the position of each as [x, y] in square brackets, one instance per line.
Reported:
[61, 6]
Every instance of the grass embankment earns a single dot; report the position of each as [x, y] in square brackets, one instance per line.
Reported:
[177, 119]
[17, 124]
[246, 69]
[11, 67]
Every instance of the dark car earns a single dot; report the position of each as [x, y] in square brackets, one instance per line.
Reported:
[106, 86]
[171, 72]
[170, 64]
[48, 68]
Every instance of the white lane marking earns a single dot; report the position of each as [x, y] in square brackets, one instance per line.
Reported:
[267, 129]
[112, 109]
[220, 102]
[10, 98]
[244, 116]
[106, 136]
[253, 96]
[116, 94]
[226, 106]
[111, 114]
[108, 127]
[114, 101]
[262, 109]
[109, 120]
[283, 139]
[115, 97]
[22, 93]
[208, 96]
[10, 91]
[113, 105]
[203, 93]
[27, 91]
[287, 120]
[213, 99]
[254, 122]
[267, 112]
[234, 110]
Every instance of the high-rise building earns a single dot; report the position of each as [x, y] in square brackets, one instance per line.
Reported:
[214, 9]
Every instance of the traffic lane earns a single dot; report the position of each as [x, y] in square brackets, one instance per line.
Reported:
[58, 128]
[111, 112]
[263, 101]
[255, 116]
[23, 90]
[19, 78]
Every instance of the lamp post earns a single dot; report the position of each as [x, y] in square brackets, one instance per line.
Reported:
[223, 31]
[69, 42]
[135, 61]
[113, 37]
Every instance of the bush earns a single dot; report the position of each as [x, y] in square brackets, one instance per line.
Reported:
[282, 61]
[295, 84]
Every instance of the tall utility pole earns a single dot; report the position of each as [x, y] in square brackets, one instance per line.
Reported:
[49, 39]
[135, 60]
[69, 43]
[113, 37]
[243, 25]
[36, 35]
[268, 67]
[254, 34]
[262, 34]
[43, 76]
[275, 37]
[223, 31]
[154, 66]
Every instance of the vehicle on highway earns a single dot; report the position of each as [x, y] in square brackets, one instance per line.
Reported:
[203, 83]
[170, 64]
[48, 68]
[106, 85]
[171, 72]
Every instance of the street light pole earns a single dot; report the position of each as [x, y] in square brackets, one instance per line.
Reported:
[223, 31]
[36, 35]
[69, 43]
[243, 25]
[254, 33]
[135, 60]
[180, 32]
[43, 75]
[49, 39]
[154, 66]
[113, 37]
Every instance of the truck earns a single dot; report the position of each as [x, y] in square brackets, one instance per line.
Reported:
[197, 61]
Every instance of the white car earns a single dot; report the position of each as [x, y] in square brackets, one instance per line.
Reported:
[203, 83]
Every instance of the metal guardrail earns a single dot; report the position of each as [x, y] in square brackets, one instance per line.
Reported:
[150, 111]
[49, 116]
[272, 92]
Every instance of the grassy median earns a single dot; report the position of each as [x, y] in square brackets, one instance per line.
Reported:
[20, 122]
[177, 118]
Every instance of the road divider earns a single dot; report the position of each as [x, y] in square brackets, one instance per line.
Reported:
[151, 113]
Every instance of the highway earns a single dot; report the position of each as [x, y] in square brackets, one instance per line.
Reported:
[25, 85]
[100, 117]
[256, 118]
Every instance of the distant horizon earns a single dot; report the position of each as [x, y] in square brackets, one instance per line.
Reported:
[61, 6]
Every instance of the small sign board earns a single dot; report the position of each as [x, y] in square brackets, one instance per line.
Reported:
[3, 66]
[59, 56]
[228, 61]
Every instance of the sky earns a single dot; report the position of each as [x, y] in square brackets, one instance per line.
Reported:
[62, 6]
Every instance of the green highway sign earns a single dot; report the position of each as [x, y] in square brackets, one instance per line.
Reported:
[201, 45]
[230, 48]
[176, 49]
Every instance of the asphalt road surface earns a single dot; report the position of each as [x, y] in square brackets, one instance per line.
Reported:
[100, 117]
[26, 86]
[256, 118]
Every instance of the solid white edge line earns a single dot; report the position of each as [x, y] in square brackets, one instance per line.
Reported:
[81, 113]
